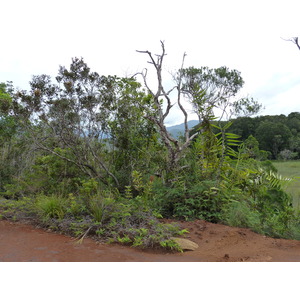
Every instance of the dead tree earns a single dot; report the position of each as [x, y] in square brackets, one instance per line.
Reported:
[158, 114]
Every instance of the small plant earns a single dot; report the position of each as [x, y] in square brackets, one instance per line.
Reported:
[89, 188]
[18, 209]
[101, 232]
[144, 189]
[124, 240]
[128, 192]
[99, 206]
[170, 245]
[51, 206]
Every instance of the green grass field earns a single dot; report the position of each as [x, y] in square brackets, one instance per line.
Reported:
[291, 169]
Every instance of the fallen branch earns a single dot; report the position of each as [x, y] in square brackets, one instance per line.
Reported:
[80, 238]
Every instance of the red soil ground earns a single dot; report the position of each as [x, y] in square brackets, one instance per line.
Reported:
[217, 243]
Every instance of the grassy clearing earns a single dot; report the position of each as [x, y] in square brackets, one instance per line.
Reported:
[291, 169]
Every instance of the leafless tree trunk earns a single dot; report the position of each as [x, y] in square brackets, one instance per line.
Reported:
[158, 116]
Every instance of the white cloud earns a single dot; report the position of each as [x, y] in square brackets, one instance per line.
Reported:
[38, 36]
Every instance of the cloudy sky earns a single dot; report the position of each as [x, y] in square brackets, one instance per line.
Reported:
[38, 36]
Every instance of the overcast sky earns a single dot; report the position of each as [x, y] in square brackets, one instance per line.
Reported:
[38, 36]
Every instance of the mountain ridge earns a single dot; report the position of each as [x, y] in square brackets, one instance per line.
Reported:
[177, 130]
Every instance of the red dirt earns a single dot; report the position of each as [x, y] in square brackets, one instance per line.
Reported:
[23, 242]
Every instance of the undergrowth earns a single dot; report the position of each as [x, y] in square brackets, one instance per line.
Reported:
[109, 219]
[216, 181]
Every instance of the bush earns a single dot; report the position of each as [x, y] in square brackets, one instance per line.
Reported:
[282, 225]
[101, 207]
[189, 201]
[287, 154]
[239, 214]
[51, 206]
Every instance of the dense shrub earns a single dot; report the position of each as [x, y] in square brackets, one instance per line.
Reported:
[200, 200]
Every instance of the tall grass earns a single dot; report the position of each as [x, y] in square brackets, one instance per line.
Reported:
[291, 169]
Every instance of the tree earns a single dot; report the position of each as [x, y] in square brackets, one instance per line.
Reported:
[5, 98]
[293, 121]
[133, 137]
[287, 154]
[13, 155]
[252, 149]
[83, 112]
[213, 89]
[209, 89]
[246, 107]
[273, 136]
[294, 144]
[244, 126]
[157, 114]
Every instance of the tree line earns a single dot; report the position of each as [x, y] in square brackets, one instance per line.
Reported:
[278, 135]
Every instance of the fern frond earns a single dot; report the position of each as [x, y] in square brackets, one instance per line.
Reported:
[275, 180]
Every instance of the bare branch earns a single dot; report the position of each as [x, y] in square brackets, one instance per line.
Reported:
[293, 40]
[296, 42]
[171, 90]
[175, 148]
[186, 131]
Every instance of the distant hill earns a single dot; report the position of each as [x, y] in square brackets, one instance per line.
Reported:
[178, 130]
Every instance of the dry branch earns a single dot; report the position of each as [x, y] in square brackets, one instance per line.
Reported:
[293, 40]
[175, 148]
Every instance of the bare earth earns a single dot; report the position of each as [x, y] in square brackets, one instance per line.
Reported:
[217, 243]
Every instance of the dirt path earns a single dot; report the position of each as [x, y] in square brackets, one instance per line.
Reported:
[22, 242]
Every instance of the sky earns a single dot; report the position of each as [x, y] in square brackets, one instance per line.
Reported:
[39, 36]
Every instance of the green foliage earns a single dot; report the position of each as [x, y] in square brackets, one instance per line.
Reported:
[49, 174]
[216, 86]
[170, 244]
[88, 155]
[18, 209]
[251, 148]
[274, 133]
[8, 128]
[239, 214]
[246, 107]
[5, 99]
[188, 201]
[287, 154]
[11, 150]
[101, 206]
[52, 206]
[111, 219]
[262, 205]
[76, 206]
[226, 141]
[291, 169]
[273, 136]
[89, 188]
[228, 186]
[126, 222]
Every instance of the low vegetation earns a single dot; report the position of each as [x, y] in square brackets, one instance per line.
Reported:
[291, 169]
[90, 155]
